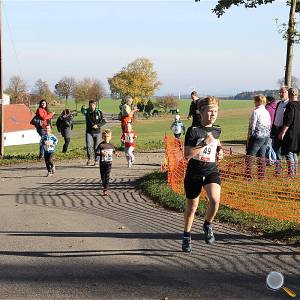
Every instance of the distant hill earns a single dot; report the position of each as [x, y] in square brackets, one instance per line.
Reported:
[250, 95]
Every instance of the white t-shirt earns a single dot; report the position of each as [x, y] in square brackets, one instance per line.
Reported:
[278, 120]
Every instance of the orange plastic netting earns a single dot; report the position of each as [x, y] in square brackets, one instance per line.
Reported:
[263, 193]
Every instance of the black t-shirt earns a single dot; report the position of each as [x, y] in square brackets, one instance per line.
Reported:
[194, 113]
[106, 150]
[203, 163]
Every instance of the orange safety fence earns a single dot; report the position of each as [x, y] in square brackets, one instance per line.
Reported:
[265, 191]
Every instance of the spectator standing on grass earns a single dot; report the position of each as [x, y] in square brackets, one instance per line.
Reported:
[94, 120]
[129, 139]
[290, 133]
[105, 151]
[277, 125]
[201, 148]
[194, 112]
[258, 136]
[44, 114]
[127, 113]
[177, 127]
[270, 107]
[49, 142]
[64, 125]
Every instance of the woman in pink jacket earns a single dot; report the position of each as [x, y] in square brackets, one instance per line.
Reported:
[45, 116]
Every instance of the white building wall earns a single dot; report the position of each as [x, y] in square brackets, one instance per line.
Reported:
[6, 99]
[21, 137]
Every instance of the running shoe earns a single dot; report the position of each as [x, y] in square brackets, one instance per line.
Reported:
[208, 234]
[49, 174]
[187, 244]
[53, 170]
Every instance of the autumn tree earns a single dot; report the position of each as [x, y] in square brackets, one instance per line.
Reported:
[290, 33]
[137, 80]
[65, 87]
[167, 102]
[88, 89]
[17, 89]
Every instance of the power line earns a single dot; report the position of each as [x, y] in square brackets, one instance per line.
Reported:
[13, 44]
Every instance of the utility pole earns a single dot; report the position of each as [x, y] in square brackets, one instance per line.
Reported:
[290, 45]
[1, 90]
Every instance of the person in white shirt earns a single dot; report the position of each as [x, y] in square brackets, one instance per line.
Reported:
[278, 124]
[258, 136]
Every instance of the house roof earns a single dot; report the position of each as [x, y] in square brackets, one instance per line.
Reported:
[17, 117]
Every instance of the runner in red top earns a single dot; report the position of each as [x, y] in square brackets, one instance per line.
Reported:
[129, 140]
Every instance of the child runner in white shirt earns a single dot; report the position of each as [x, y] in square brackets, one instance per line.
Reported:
[177, 127]
[129, 140]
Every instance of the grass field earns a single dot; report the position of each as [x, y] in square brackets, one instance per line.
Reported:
[233, 118]
[155, 186]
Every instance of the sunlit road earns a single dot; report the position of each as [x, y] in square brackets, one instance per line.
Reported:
[61, 239]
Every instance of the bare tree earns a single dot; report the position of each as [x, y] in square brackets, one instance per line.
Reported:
[16, 89]
[295, 82]
[42, 91]
[89, 89]
[65, 87]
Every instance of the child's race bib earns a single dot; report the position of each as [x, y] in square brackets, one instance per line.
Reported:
[209, 152]
[129, 138]
[107, 155]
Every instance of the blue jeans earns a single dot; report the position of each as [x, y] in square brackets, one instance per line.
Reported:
[256, 147]
[41, 131]
[92, 138]
[292, 160]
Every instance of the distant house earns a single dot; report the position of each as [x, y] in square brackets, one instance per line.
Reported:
[17, 128]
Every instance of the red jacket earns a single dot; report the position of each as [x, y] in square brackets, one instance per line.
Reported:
[44, 116]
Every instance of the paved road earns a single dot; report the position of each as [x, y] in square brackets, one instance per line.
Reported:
[61, 239]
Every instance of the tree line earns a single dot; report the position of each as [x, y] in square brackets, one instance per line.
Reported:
[138, 80]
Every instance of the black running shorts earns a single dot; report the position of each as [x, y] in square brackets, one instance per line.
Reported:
[194, 184]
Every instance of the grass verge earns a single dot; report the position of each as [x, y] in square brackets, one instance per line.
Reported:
[155, 186]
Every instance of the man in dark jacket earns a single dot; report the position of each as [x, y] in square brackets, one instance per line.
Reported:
[290, 133]
[194, 112]
[277, 125]
[66, 126]
[94, 121]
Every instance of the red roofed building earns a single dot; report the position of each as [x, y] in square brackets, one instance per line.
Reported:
[17, 128]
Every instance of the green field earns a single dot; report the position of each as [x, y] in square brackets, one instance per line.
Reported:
[233, 118]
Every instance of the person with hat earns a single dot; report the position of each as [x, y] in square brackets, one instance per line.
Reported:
[290, 133]
[177, 127]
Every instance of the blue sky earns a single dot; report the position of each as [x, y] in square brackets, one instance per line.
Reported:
[189, 46]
